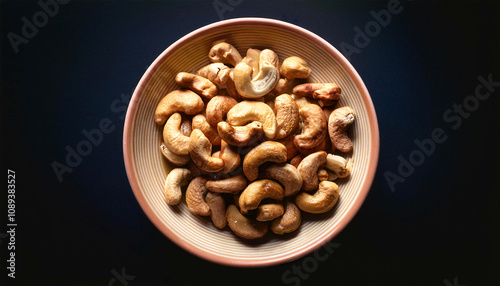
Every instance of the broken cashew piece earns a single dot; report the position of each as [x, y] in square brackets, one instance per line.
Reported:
[339, 165]
[287, 115]
[231, 185]
[224, 53]
[287, 175]
[314, 129]
[217, 109]
[323, 200]
[176, 159]
[248, 111]
[323, 91]
[175, 179]
[340, 119]
[200, 150]
[250, 85]
[229, 154]
[240, 135]
[178, 101]
[175, 141]
[295, 67]
[290, 220]
[308, 169]
[267, 212]
[198, 84]
[255, 192]
[200, 122]
[195, 197]
[217, 73]
[217, 207]
[264, 152]
[243, 226]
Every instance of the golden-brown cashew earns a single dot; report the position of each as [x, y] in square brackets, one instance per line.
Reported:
[296, 160]
[255, 192]
[243, 226]
[264, 152]
[178, 101]
[308, 169]
[339, 120]
[247, 111]
[323, 91]
[290, 220]
[175, 179]
[173, 158]
[232, 185]
[295, 67]
[230, 156]
[302, 101]
[217, 73]
[339, 165]
[200, 150]
[322, 175]
[323, 200]
[291, 149]
[314, 129]
[287, 115]
[175, 141]
[323, 145]
[217, 207]
[217, 109]
[250, 85]
[224, 53]
[195, 194]
[287, 175]
[252, 59]
[240, 135]
[200, 122]
[267, 212]
[231, 88]
[198, 84]
[280, 87]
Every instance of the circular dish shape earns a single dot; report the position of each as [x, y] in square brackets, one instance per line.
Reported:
[147, 169]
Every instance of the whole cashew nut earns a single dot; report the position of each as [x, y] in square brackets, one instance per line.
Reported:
[200, 122]
[250, 85]
[339, 165]
[195, 197]
[287, 175]
[224, 53]
[175, 141]
[243, 226]
[295, 67]
[340, 119]
[217, 73]
[217, 109]
[173, 158]
[217, 207]
[264, 152]
[178, 101]
[267, 212]
[231, 185]
[175, 179]
[323, 200]
[198, 84]
[308, 169]
[247, 111]
[287, 115]
[290, 220]
[323, 91]
[314, 129]
[230, 156]
[200, 150]
[255, 192]
[240, 135]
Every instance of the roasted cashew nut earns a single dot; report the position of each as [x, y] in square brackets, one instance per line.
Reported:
[295, 67]
[287, 175]
[314, 129]
[339, 165]
[224, 53]
[248, 111]
[243, 226]
[323, 145]
[175, 179]
[217, 109]
[231, 185]
[287, 115]
[173, 158]
[178, 101]
[240, 135]
[200, 150]
[217, 73]
[200, 122]
[323, 200]
[252, 59]
[322, 175]
[290, 220]
[229, 154]
[323, 91]
[296, 160]
[175, 141]
[264, 152]
[198, 84]
[250, 85]
[267, 212]
[308, 169]
[195, 197]
[255, 192]
[217, 207]
[340, 119]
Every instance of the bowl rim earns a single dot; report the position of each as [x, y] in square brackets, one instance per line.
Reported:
[239, 262]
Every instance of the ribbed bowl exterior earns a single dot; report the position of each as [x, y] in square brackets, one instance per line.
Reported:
[147, 169]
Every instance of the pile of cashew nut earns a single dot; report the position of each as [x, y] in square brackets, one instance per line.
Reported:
[252, 156]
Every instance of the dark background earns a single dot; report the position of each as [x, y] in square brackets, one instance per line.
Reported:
[441, 226]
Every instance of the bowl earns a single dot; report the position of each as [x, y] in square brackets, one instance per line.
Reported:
[147, 169]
